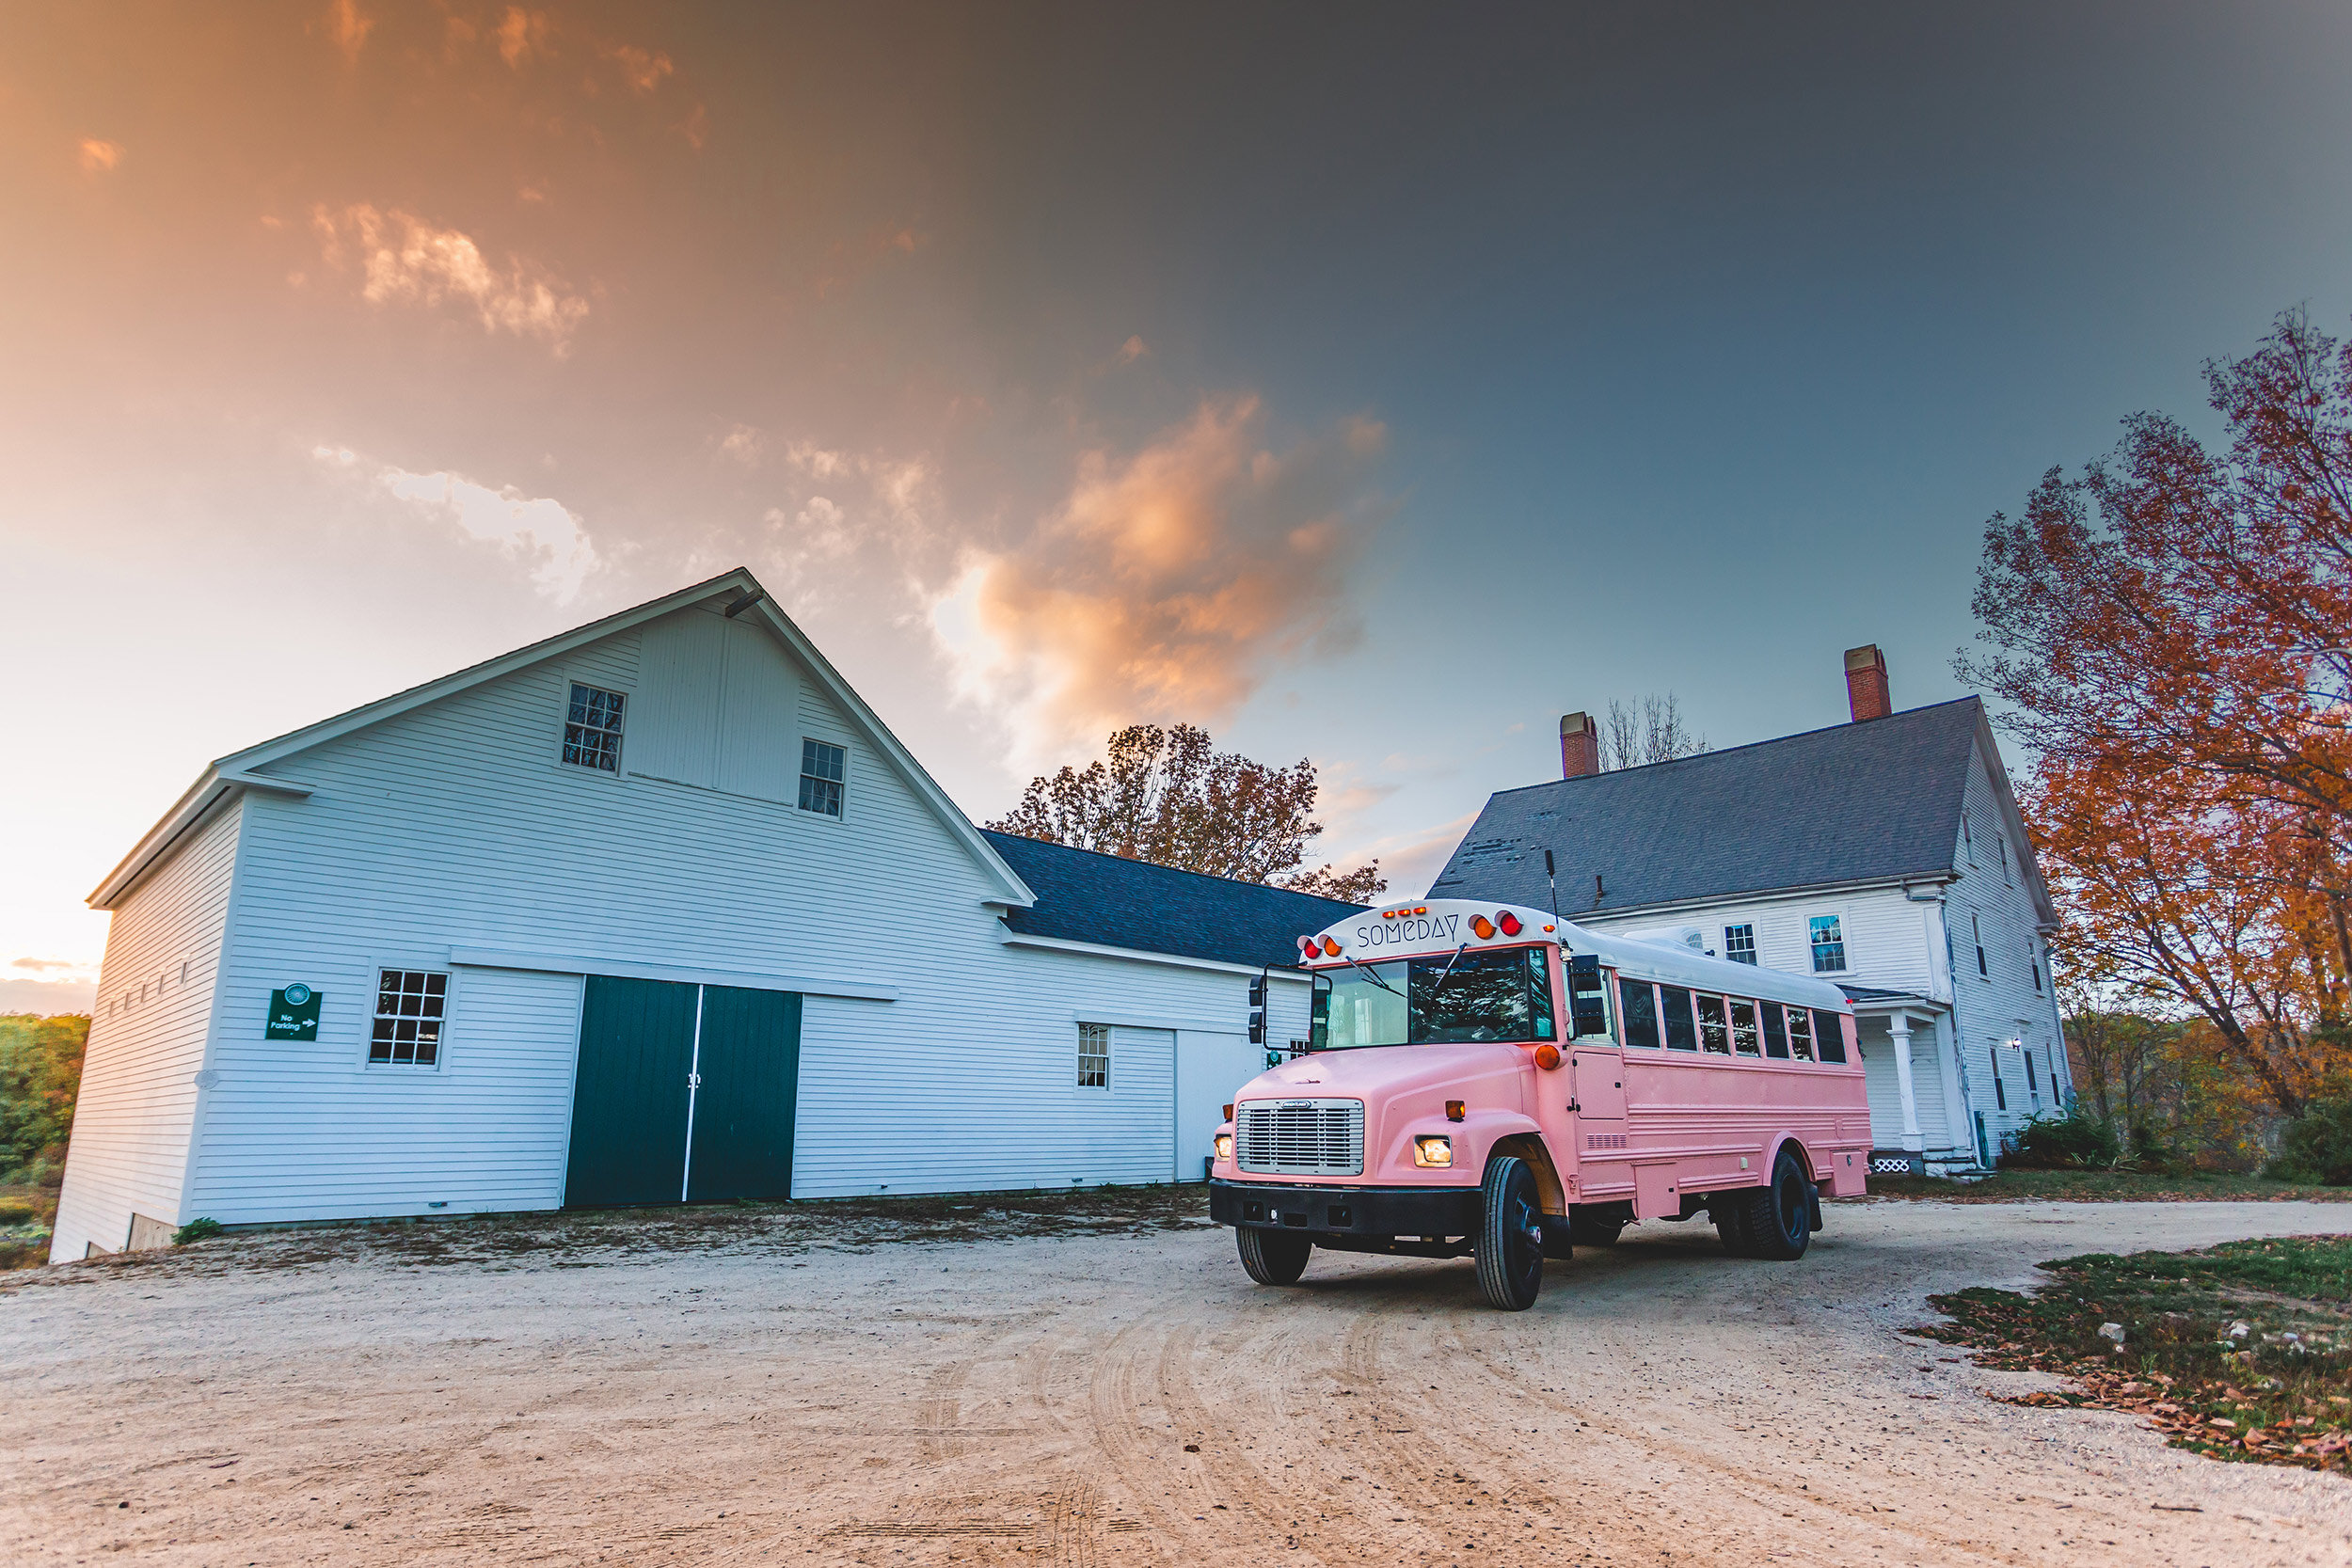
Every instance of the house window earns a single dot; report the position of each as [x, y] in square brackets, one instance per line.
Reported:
[409, 1004]
[1829, 945]
[2000, 1090]
[1967, 838]
[2033, 1084]
[2033, 961]
[2002, 840]
[1094, 1055]
[820, 777]
[1740, 943]
[1976, 929]
[592, 729]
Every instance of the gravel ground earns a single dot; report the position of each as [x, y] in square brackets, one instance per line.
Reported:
[1098, 1399]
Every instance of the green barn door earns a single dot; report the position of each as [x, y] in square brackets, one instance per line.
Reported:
[750, 1067]
[630, 1098]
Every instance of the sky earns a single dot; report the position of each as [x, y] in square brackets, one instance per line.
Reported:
[1371, 384]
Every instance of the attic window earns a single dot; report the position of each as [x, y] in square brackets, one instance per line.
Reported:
[822, 774]
[592, 729]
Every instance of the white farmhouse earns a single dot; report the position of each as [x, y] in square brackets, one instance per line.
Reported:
[1886, 854]
[657, 909]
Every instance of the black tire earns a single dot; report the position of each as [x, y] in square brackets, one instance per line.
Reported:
[1729, 1212]
[1510, 1244]
[1273, 1257]
[1594, 1230]
[1775, 1221]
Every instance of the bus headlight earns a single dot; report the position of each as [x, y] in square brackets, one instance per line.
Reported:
[1434, 1149]
[1224, 1145]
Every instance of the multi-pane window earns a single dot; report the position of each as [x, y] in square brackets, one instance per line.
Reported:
[1743, 1032]
[592, 729]
[1740, 943]
[1976, 929]
[1094, 1055]
[1829, 945]
[1800, 1034]
[409, 1004]
[2000, 1090]
[2001, 839]
[822, 774]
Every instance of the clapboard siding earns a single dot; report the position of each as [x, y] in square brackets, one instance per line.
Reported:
[1886, 939]
[454, 824]
[2003, 1001]
[138, 1099]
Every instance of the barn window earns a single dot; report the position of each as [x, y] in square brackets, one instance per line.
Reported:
[1829, 945]
[1094, 1055]
[1740, 943]
[821, 771]
[592, 729]
[410, 1007]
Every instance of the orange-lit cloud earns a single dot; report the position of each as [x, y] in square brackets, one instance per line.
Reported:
[520, 34]
[404, 259]
[98, 156]
[346, 29]
[537, 534]
[642, 69]
[1168, 581]
[1132, 350]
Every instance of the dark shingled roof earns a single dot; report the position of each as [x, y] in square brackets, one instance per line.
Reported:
[1850, 804]
[1083, 896]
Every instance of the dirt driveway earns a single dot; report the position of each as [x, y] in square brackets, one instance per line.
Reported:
[1101, 1400]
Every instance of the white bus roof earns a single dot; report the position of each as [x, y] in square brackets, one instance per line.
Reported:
[1433, 927]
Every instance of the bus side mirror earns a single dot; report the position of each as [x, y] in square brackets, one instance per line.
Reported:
[1588, 997]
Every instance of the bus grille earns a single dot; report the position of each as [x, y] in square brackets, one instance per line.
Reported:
[1307, 1137]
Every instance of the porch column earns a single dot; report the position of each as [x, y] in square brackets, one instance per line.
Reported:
[1898, 1025]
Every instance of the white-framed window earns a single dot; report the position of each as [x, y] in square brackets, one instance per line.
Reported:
[1094, 1055]
[411, 1006]
[2033, 961]
[1976, 929]
[1740, 943]
[1829, 943]
[592, 728]
[2002, 838]
[823, 769]
[1967, 836]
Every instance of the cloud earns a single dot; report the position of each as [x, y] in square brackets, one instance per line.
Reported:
[534, 531]
[403, 258]
[1132, 350]
[44, 965]
[48, 997]
[519, 34]
[642, 69]
[346, 29]
[1167, 583]
[743, 444]
[98, 157]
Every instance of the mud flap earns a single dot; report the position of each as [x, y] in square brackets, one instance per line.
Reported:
[1813, 1201]
[1556, 1238]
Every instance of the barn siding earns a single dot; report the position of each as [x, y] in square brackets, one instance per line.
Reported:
[139, 1095]
[455, 825]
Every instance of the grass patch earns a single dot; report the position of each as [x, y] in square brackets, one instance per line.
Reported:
[585, 1238]
[27, 1212]
[2089, 1186]
[2277, 1390]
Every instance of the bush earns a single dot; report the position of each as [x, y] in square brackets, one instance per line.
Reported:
[2317, 1145]
[2075, 1141]
[195, 1231]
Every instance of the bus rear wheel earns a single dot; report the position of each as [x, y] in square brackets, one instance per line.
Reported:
[1273, 1257]
[1775, 1223]
[1510, 1244]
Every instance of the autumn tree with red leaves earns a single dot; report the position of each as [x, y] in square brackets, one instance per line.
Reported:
[1170, 797]
[2172, 629]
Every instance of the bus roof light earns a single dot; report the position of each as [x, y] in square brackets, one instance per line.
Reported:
[1483, 928]
[1510, 924]
[1330, 948]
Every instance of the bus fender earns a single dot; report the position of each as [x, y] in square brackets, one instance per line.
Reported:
[1527, 1142]
[1812, 1172]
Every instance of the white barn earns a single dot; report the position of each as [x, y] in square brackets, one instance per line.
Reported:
[654, 909]
[1886, 854]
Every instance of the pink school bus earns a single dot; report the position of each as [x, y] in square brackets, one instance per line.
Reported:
[1450, 1106]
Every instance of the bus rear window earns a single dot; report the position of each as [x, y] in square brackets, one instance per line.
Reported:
[1674, 1002]
[1639, 1009]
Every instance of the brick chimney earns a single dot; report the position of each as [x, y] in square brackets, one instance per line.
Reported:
[1866, 683]
[1580, 746]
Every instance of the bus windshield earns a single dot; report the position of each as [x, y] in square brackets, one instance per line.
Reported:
[1468, 996]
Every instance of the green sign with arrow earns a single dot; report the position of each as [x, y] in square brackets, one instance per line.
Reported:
[293, 1014]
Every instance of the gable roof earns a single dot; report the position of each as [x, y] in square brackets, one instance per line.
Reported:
[1109, 900]
[238, 772]
[1877, 801]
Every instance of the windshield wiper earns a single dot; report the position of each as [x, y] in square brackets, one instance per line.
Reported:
[1446, 973]
[1373, 976]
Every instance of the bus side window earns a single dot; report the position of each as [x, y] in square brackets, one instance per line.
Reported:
[1673, 1005]
[1775, 1037]
[1744, 1035]
[1800, 1034]
[1830, 1030]
[1714, 1029]
[1638, 1008]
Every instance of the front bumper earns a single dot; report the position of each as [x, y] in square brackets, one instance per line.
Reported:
[1347, 1210]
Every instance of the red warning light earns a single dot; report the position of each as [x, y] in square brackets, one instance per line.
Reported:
[1510, 924]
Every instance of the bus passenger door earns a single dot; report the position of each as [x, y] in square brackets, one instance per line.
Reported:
[1599, 1091]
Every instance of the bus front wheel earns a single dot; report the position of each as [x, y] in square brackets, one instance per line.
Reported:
[1273, 1257]
[1511, 1236]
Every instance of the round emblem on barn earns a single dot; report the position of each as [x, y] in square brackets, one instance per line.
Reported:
[297, 993]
